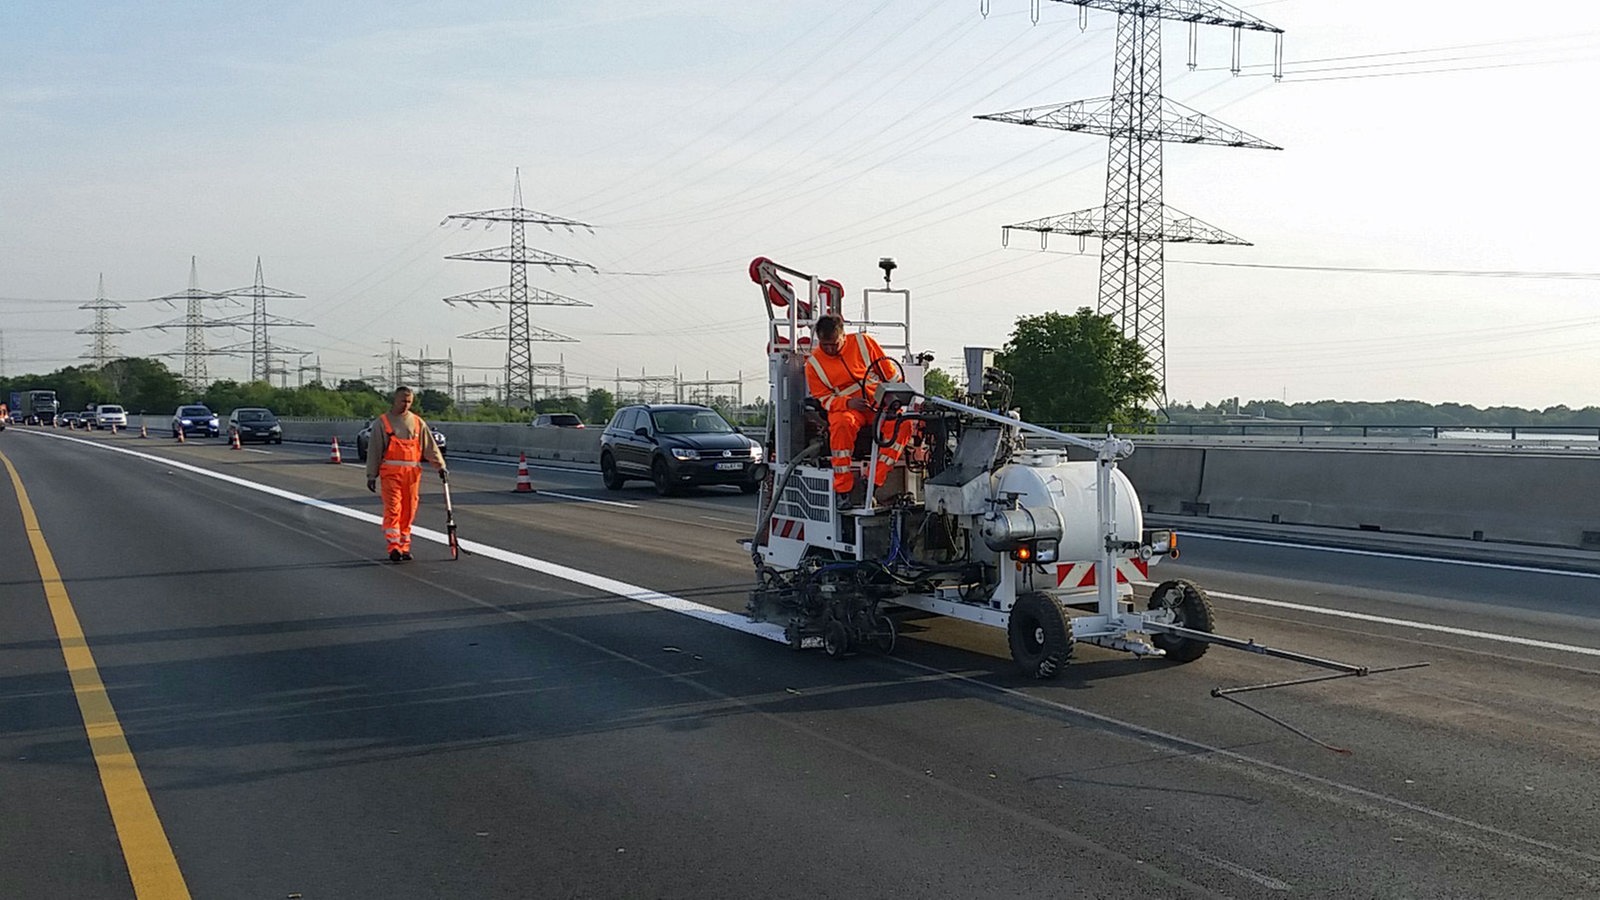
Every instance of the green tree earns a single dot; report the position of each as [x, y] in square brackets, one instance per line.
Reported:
[599, 406]
[1076, 368]
[432, 403]
[940, 383]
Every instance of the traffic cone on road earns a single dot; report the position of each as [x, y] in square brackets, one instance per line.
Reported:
[233, 439]
[334, 457]
[143, 433]
[524, 483]
[180, 434]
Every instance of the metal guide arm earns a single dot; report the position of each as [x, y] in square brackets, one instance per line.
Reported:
[1108, 448]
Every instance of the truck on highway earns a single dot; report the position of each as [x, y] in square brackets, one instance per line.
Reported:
[35, 407]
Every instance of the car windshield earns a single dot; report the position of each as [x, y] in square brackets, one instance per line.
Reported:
[193, 411]
[111, 409]
[690, 421]
[564, 419]
[254, 415]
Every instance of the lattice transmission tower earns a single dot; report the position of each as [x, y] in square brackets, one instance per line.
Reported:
[1135, 223]
[518, 333]
[194, 324]
[103, 350]
[262, 349]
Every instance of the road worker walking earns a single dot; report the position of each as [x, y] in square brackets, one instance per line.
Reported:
[400, 442]
[843, 375]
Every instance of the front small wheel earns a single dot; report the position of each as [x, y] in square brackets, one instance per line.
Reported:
[835, 639]
[1191, 609]
[1041, 642]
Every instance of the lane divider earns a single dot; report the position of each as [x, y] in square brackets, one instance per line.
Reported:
[1403, 623]
[735, 621]
[151, 864]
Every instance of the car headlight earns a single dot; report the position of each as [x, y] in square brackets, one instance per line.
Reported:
[757, 452]
[185, 422]
[685, 453]
[276, 428]
[213, 422]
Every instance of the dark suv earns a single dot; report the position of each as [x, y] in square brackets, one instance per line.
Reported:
[675, 445]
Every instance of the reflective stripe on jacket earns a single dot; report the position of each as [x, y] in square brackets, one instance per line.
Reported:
[856, 372]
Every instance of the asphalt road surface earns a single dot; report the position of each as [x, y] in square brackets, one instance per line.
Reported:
[259, 706]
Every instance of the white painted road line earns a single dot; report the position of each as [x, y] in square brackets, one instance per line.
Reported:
[1403, 623]
[735, 621]
[1384, 554]
[545, 493]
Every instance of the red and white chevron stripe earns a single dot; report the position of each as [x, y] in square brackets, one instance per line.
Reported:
[1081, 574]
[793, 529]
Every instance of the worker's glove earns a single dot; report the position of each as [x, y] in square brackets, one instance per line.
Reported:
[444, 474]
[372, 485]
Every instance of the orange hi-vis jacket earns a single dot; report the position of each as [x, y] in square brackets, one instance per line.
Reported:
[856, 372]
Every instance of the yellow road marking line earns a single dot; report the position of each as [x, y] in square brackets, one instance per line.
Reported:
[151, 865]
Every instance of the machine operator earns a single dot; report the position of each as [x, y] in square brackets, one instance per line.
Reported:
[401, 440]
[843, 374]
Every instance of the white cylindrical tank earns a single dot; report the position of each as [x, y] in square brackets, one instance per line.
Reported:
[1070, 488]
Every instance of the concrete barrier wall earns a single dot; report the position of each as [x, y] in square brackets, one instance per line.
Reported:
[1518, 497]
[577, 445]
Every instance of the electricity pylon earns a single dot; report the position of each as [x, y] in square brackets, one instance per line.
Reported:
[194, 324]
[1135, 224]
[102, 351]
[517, 296]
[261, 348]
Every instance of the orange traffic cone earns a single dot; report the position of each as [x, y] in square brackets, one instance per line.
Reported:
[143, 434]
[233, 440]
[180, 434]
[334, 458]
[524, 483]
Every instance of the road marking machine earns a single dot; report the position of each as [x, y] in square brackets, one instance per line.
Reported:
[985, 517]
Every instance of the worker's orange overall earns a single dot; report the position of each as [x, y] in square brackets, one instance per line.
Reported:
[836, 380]
[400, 475]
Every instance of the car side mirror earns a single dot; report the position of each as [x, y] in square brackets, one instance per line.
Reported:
[642, 431]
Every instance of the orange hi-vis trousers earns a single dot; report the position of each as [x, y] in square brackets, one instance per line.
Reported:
[844, 426]
[400, 486]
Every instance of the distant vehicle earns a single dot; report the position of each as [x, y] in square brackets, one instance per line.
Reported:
[364, 438]
[195, 419]
[69, 419]
[557, 420]
[678, 444]
[110, 415]
[255, 423]
[35, 407]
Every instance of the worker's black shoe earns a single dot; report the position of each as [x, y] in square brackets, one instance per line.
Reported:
[395, 556]
[405, 555]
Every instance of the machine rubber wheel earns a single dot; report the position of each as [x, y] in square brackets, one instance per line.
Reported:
[609, 474]
[884, 634]
[1040, 640]
[835, 639]
[1191, 609]
[662, 479]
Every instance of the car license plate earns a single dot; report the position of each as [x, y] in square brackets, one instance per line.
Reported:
[729, 467]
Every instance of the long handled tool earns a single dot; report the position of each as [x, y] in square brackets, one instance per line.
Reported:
[450, 518]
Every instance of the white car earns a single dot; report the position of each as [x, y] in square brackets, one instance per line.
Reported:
[109, 415]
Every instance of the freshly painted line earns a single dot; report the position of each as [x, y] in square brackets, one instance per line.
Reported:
[586, 499]
[735, 621]
[729, 521]
[1266, 881]
[254, 450]
[151, 864]
[1403, 623]
[1410, 557]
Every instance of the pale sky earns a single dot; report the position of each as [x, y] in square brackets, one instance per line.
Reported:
[1422, 138]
